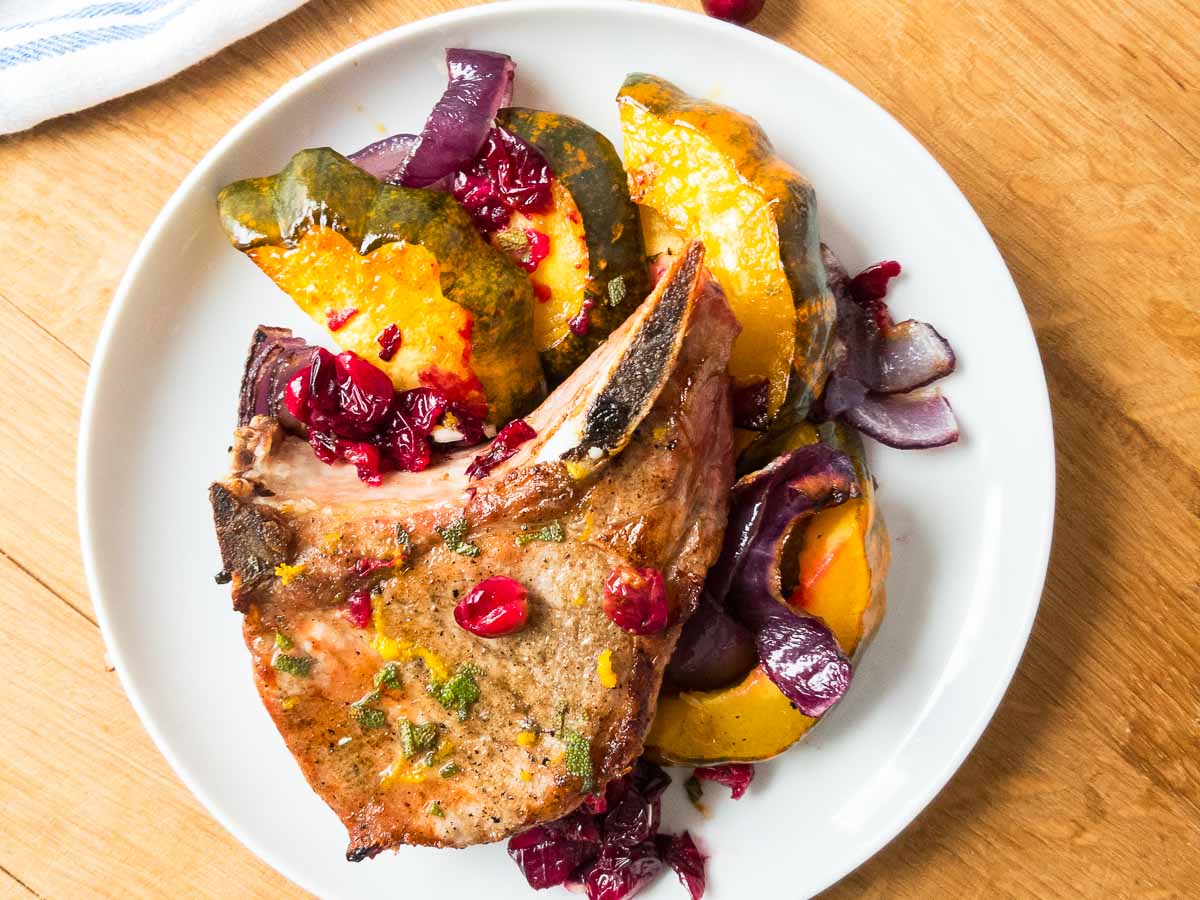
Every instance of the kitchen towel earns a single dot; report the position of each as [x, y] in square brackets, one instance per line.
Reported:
[59, 56]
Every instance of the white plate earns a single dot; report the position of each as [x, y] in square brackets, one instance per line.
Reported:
[971, 523]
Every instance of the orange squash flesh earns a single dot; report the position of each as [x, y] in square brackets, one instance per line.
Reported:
[560, 281]
[397, 283]
[711, 173]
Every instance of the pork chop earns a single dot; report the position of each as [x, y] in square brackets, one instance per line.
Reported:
[415, 731]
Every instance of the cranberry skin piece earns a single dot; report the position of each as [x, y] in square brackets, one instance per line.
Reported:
[358, 609]
[325, 446]
[493, 608]
[365, 458]
[389, 341]
[337, 319]
[740, 12]
[735, 776]
[872, 282]
[505, 445]
[680, 852]
[581, 322]
[366, 565]
[621, 872]
[636, 599]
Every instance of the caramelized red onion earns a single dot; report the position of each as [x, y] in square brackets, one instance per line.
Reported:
[797, 651]
[480, 83]
[714, 650]
[275, 357]
[384, 157]
[882, 361]
[913, 421]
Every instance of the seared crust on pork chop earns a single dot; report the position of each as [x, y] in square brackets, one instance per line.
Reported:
[633, 457]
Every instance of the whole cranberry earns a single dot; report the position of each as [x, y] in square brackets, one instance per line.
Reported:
[493, 608]
[636, 599]
[740, 12]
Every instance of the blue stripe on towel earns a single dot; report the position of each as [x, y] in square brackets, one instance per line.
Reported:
[73, 41]
[94, 11]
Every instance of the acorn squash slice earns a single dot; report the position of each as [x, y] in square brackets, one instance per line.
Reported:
[584, 290]
[840, 563]
[359, 256]
[711, 173]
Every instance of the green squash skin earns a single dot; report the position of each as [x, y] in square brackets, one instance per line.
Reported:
[799, 236]
[322, 187]
[587, 164]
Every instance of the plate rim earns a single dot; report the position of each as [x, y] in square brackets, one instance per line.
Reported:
[888, 827]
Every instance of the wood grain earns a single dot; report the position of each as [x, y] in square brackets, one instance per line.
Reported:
[1073, 127]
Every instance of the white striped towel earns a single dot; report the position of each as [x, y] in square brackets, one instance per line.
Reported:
[59, 56]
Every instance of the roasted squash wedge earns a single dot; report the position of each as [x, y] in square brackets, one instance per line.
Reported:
[603, 278]
[841, 563]
[358, 256]
[710, 173]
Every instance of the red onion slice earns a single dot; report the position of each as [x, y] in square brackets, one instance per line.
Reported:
[275, 356]
[913, 421]
[883, 363]
[713, 650]
[797, 651]
[480, 83]
[912, 354]
[384, 157]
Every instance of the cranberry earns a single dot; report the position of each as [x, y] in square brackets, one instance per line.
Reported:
[736, 776]
[389, 341]
[422, 406]
[358, 608]
[463, 393]
[547, 856]
[750, 405]
[364, 395]
[581, 322]
[740, 12]
[505, 444]
[636, 599]
[322, 381]
[493, 608]
[295, 395]
[406, 447]
[542, 292]
[336, 319]
[365, 458]
[632, 816]
[468, 423]
[872, 282]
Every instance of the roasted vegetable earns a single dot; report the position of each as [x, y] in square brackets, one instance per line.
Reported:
[603, 281]
[841, 563]
[711, 173]
[337, 240]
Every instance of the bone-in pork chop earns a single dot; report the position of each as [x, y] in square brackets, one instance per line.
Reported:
[414, 730]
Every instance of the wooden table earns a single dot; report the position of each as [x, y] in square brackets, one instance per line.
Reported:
[1073, 127]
